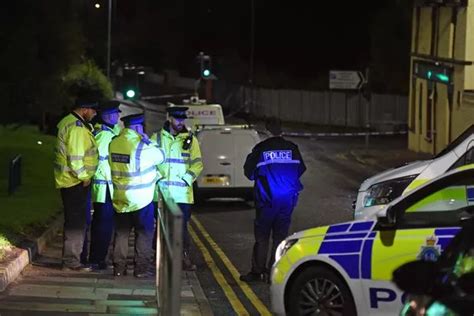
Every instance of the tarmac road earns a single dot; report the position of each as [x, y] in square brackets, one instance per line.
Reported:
[222, 230]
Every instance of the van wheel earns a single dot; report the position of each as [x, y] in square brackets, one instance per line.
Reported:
[319, 291]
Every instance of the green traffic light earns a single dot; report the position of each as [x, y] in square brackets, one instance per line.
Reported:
[429, 74]
[442, 77]
[130, 93]
[206, 73]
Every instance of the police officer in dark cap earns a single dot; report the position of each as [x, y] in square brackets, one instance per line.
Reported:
[275, 165]
[182, 166]
[133, 161]
[75, 165]
[102, 227]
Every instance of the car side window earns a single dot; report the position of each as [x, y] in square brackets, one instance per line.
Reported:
[465, 159]
[441, 208]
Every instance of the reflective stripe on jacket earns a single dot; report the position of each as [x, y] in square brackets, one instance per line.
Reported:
[102, 178]
[133, 162]
[276, 166]
[76, 155]
[181, 166]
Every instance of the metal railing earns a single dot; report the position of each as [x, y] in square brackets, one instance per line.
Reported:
[169, 254]
[14, 174]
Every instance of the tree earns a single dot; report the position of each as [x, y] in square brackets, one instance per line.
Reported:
[40, 39]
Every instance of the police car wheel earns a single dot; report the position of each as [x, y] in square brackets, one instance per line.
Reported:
[319, 291]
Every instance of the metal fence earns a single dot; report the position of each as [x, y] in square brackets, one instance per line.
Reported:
[14, 174]
[385, 112]
[169, 253]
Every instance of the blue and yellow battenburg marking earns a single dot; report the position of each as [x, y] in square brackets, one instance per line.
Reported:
[352, 246]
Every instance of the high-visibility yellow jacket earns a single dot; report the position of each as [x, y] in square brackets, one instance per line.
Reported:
[76, 152]
[102, 178]
[133, 162]
[181, 166]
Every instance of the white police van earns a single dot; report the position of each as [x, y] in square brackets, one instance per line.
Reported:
[377, 191]
[346, 268]
[224, 149]
[201, 113]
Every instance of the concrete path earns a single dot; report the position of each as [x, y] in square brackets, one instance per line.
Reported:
[44, 289]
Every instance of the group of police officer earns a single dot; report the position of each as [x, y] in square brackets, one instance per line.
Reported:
[127, 169]
[120, 171]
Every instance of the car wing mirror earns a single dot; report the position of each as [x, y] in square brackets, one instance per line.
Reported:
[416, 277]
[386, 219]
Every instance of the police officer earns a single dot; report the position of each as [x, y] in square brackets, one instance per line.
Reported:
[182, 166]
[103, 218]
[133, 161]
[75, 164]
[276, 166]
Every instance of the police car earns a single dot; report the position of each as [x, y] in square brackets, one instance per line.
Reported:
[382, 188]
[346, 268]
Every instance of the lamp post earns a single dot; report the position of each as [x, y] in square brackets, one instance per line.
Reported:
[109, 37]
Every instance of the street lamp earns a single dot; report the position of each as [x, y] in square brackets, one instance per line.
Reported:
[109, 37]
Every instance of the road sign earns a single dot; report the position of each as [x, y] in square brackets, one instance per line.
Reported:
[346, 80]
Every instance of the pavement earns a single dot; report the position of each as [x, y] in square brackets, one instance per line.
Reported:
[42, 288]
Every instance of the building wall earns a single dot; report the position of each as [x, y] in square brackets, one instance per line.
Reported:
[439, 112]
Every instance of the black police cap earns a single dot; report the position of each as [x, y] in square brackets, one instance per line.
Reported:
[110, 106]
[177, 111]
[133, 119]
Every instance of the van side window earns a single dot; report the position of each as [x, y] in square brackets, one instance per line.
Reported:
[465, 159]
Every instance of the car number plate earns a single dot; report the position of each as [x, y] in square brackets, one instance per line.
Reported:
[216, 180]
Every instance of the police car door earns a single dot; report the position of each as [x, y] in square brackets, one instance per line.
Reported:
[426, 221]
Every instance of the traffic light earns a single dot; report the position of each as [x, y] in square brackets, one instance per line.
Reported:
[206, 70]
[433, 72]
[130, 93]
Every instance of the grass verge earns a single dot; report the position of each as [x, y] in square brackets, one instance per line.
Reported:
[29, 210]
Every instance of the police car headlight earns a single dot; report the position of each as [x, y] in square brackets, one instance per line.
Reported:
[283, 247]
[384, 192]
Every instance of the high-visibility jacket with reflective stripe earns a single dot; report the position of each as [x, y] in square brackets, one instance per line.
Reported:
[76, 155]
[133, 162]
[181, 166]
[102, 178]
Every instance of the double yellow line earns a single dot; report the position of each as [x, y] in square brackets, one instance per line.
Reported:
[228, 291]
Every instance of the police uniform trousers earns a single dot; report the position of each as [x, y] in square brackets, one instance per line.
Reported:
[143, 222]
[101, 230]
[273, 217]
[76, 202]
[186, 210]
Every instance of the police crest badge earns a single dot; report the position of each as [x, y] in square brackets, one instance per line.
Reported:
[430, 251]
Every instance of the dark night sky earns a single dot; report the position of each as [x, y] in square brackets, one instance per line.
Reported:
[298, 38]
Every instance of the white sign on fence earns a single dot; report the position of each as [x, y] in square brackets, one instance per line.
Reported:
[345, 80]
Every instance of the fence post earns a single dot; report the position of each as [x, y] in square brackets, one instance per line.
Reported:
[169, 253]
[14, 174]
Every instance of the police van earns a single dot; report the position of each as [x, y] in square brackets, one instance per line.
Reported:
[346, 268]
[377, 191]
[224, 149]
[201, 113]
